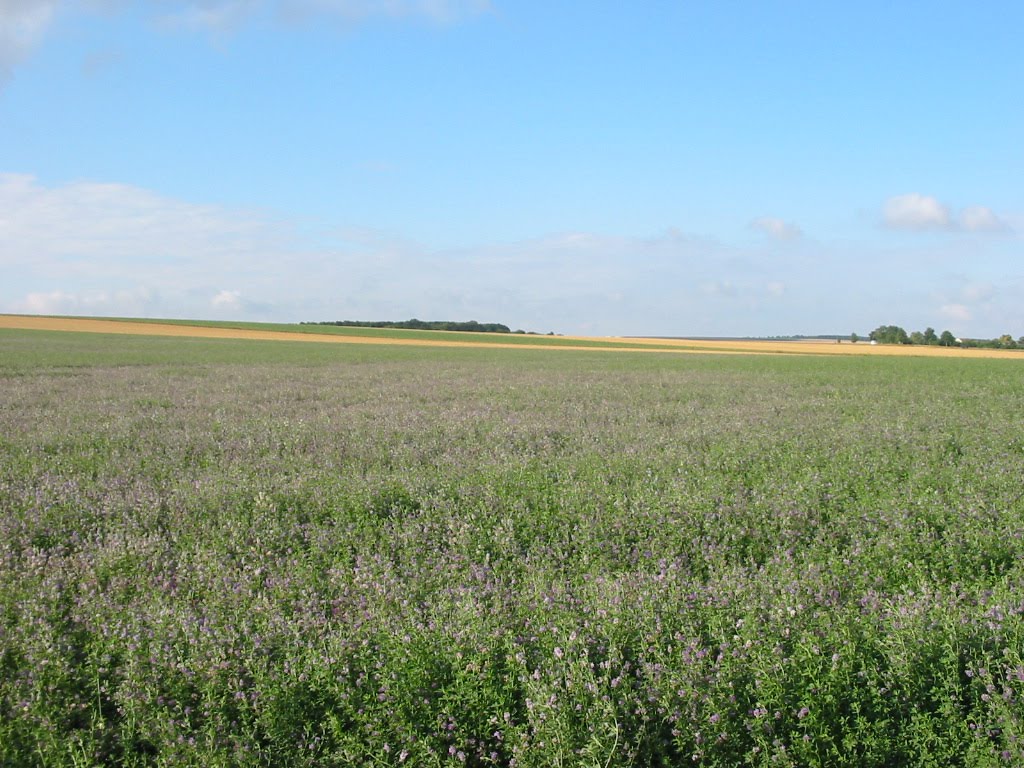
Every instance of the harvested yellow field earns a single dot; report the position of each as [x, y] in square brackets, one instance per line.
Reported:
[670, 346]
[93, 325]
[89, 325]
[825, 347]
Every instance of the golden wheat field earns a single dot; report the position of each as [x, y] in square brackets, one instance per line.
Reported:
[825, 347]
[90, 325]
[623, 344]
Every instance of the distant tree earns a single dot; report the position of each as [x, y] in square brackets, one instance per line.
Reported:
[1006, 341]
[889, 334]
[930, 337]
[917, 338]
[947, 339]
[854, 338]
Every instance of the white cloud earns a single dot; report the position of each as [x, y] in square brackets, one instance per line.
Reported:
[776, 288]
[978, 218]
[94, 228]
[777, 228]
[231, 300]
[51, 303]
[131, 303]
[916, 212]
[100, 248]
[922, 212]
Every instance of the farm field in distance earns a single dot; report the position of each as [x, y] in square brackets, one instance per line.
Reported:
[357, 335]
[242, 552]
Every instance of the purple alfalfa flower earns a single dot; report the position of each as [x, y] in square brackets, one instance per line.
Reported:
[804, 712]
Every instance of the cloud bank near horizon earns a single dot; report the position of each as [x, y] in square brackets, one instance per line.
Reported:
[108, 249]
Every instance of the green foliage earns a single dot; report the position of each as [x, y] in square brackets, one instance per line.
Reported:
[1006, 341]
[893, 334]
[889, 334]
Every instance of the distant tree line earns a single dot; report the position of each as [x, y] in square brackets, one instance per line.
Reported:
[421, 325]
[893, 334]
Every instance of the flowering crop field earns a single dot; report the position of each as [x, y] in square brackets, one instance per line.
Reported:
[227, 552]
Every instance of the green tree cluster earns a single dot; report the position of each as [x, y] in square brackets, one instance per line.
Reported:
[889, 334]
[894, 334]
[1006, 341]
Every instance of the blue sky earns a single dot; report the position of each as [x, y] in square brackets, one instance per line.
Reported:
[668, 168]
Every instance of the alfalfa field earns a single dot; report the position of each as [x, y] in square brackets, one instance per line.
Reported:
[245, 552]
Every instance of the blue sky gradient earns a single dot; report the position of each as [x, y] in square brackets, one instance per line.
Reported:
[678, 169]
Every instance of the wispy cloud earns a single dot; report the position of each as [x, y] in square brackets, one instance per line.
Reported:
[719, 288]
[211, 15]
[777, 228]
[444, 11]
[978, 292]
[227, 15]
[978, 218]
[956, 312]
[966, 303]
[22, 25]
